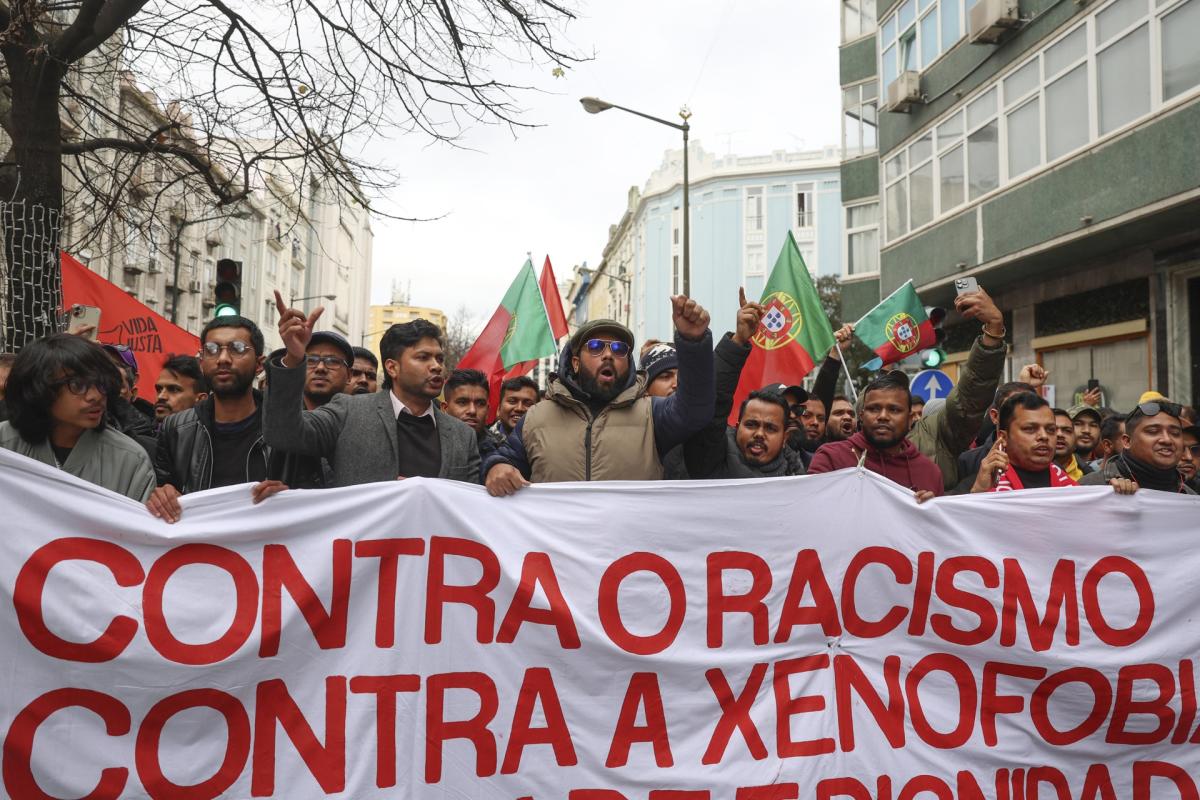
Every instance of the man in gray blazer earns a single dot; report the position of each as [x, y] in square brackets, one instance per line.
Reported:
[397, 432]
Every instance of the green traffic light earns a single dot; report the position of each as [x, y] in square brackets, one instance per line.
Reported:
[225, 310]
[933, 358]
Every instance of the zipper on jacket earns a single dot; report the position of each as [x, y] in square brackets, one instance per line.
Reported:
[587, 449]
[250, 454]
[208, 437]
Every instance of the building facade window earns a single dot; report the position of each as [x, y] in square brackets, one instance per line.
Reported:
[1110, 71]
[918, 33]
[862, 239]
[806, 210]
[755, 262]
[860, 110]
[754, 208]
[858, 19]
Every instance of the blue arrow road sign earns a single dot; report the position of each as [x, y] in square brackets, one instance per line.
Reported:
[929, 384]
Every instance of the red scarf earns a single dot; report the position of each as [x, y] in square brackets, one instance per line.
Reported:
[1011, 482]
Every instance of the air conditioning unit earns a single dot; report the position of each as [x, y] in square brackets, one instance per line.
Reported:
[194, 286]
[990, 20]
[153, 267]
[904, 92]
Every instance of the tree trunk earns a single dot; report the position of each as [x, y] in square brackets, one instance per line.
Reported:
[31, 189]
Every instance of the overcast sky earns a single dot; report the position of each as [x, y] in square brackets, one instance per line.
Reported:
[759, 75]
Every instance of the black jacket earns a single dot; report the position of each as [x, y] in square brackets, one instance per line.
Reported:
[184, 456]
[713, 452]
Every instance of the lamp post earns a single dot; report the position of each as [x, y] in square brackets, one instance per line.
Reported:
[295, 299]
[594, 105]
[180, 225]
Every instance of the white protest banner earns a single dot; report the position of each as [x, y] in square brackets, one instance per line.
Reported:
[819, 637]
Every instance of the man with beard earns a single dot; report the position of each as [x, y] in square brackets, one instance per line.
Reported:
[758, 446]
[219, 441]
[397, 432]
[820, 425]
[180, 385]
[882, 445]
[1087, 422]
[842, 421]
[1189, 457]
[1112, 440]
[364, 373]
[597, 422]
[1064, 446]
[1153, 447]
[327, 368]
[814, 422]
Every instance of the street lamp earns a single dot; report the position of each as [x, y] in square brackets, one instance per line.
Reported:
[594, 105]
[295, 299]
[180, 225]
[362, 340]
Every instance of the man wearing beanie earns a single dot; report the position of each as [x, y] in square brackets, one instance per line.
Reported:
[1153, 446]
[661, 363]
[597, 421]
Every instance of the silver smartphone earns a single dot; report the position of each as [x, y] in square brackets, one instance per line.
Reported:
[966, 285]
[82, 318]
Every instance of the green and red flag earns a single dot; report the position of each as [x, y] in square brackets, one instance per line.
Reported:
[518, 333]
[897, 327]
[793, 332]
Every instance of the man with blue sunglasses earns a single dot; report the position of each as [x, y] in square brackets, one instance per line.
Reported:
[597, 422]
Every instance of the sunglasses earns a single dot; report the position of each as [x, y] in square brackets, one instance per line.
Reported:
[1155, 407]
[597, 346]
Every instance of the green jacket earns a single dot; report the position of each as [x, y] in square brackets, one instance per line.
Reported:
[103, 457]
[944, 434]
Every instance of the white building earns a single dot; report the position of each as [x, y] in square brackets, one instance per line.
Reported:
[302, 237]
[742, 208]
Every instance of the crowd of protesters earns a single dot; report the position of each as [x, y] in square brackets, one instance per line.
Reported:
[317, 413]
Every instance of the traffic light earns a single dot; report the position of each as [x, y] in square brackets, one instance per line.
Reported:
[228, 292]
[935, 356]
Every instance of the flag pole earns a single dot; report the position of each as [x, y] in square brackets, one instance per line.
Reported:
[846, 369]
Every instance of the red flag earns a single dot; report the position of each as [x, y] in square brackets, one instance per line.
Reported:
[519, 328]
[123, 320]
[558, 326]
[553, 301]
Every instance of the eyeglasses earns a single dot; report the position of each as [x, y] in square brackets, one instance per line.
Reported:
[329, 361]
[1154, 407]
[79, 386]
[234, 348]
[797, 409]
[597, 346]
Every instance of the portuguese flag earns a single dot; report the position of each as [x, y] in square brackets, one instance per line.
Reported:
[898, 327]
[518, 332]
[793, 333]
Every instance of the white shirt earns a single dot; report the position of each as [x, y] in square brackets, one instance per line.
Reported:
[399, 408]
